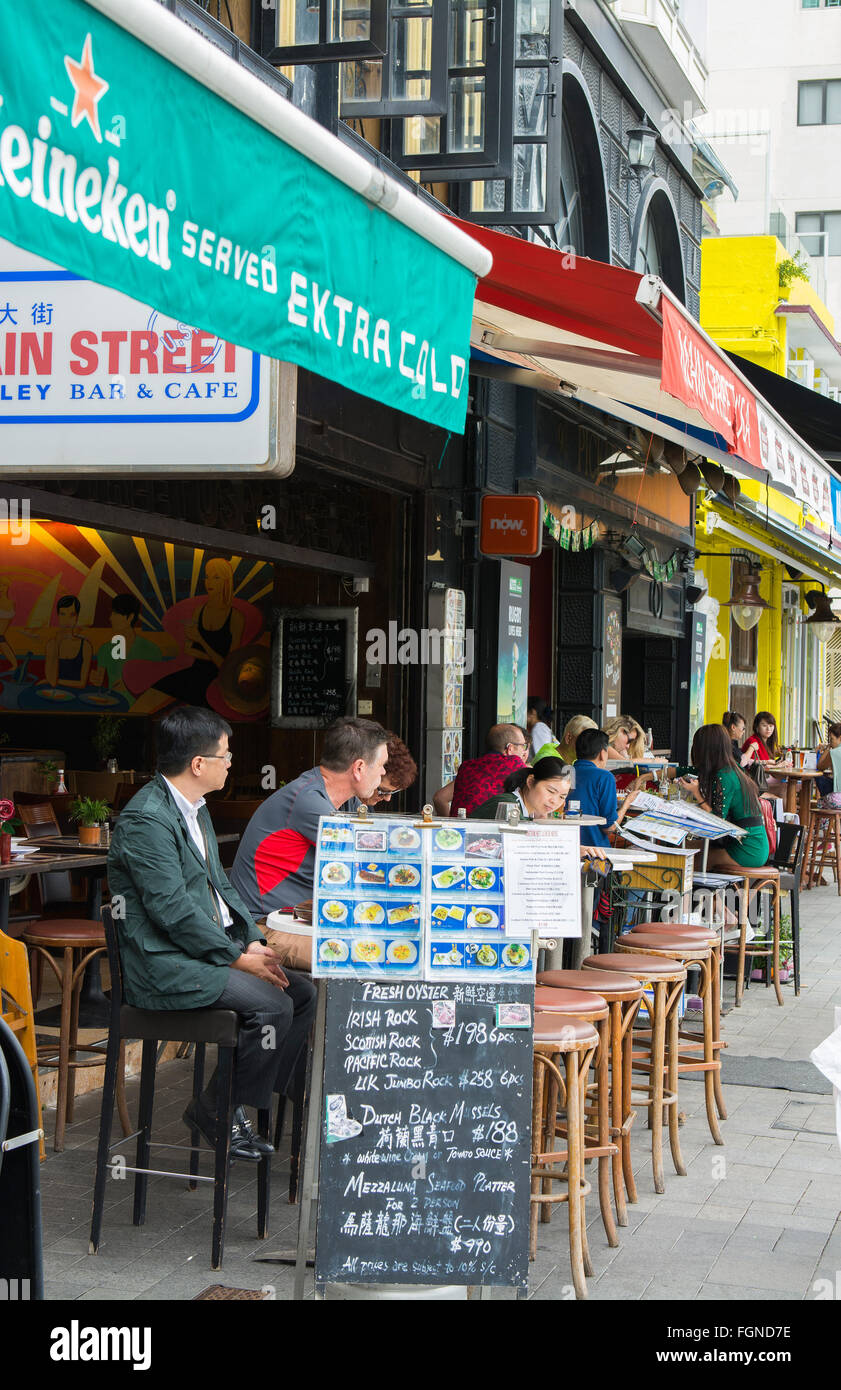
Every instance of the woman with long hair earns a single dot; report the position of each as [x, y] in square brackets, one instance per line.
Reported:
[764, 738]
[722, 788]
[734, 723]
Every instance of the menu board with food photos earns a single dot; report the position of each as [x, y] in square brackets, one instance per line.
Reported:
[396, 897]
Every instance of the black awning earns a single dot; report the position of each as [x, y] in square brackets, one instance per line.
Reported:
[815, 418]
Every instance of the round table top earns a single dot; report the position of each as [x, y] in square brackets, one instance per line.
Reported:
[798, 772]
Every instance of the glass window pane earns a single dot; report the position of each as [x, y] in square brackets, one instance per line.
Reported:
[529, 178]
[810, 103]
[807, 225]
[570, 228]
[347, 21]
[297, 23]
[532, 29]
[466, 123]
[412, 58]
[832, 227]
[362, 80]
[812, 4]
[488, 196]
[468, 26]
[833, 103]
[422, 135]
[531, 86]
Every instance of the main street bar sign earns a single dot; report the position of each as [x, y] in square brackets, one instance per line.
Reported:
[90, 379]
[120, 166]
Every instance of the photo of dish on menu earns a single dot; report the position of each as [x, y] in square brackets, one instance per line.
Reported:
[397, 897]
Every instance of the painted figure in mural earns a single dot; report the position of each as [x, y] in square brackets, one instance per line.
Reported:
[216, 631]
[7, 612]
[127, 643]
[68, 656]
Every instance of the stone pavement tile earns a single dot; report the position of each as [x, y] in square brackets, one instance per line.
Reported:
[814, 1163]
[70, 1283]
[781, 1274]
[677, 1288]
[56, 1264]
[750, 1237]
[806, 1217]
[823, 1189]
[765, 1150]
[614, 1287]
[765, 1213]
[721, 1212]
[801, 1244]
[734, 1293]
[782, 1185]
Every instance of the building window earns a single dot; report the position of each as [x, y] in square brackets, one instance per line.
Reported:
[820, 232]
[532, 195]
[412, 78]
[820, 4]
[300, 31]
[657, 247]
[819, 103]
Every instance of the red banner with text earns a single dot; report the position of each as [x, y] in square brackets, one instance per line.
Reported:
[696, 375]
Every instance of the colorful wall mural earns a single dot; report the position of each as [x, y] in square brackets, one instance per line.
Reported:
[98, 622]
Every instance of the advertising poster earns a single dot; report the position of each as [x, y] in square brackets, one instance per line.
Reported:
[513, 647]
[612, 655]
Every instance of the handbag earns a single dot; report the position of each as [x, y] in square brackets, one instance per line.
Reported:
[757, 772]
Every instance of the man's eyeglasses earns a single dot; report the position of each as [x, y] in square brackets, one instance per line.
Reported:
[218, 757]
[518, 746]
[386, 793]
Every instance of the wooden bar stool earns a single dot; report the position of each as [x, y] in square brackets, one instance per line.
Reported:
[823, 847]
[754, 882]
[689, 950]
[591, 1008]
[714, 1003]
[622, 994]
[79, 941]
[559, 1037]
[667, 979]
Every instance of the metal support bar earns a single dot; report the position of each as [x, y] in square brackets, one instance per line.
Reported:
[31, 1137]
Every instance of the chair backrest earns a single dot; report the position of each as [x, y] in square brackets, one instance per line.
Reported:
[115, 968]
[791, 842]
[39, 820]
[122, 796]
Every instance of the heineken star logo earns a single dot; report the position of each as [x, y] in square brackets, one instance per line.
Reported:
[89, 89]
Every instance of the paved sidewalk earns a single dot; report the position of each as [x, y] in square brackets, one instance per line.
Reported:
[757, 1219]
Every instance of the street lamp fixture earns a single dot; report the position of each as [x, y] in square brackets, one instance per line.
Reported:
[822, 621]
[642, 146]
[747, 604]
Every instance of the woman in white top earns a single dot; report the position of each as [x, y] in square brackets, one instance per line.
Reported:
[538, 714]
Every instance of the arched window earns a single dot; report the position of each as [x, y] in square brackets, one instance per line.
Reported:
[584, 223]
[657, 247]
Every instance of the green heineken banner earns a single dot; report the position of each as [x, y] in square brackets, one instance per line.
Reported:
[119, 166]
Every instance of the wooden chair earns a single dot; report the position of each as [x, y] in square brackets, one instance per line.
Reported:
[16, 1005]
[571, 1043]
[590, 1007]
[659, 1056]
[78, 941]
[823, 846]
[622, 994]
[788, 858]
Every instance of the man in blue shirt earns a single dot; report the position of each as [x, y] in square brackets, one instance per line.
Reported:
[595, 787]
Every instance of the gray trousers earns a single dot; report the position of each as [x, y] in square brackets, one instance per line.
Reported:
[274, 1027]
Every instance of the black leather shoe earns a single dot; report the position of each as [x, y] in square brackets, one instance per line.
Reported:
[246, 1130]
[197, 1117]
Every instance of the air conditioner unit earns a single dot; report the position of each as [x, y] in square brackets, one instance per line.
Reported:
[791, 599]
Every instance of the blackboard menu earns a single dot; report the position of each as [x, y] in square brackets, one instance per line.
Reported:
[313, 668]
[426, 1133]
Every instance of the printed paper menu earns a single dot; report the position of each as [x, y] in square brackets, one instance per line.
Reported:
[543, 882]
[395, 897]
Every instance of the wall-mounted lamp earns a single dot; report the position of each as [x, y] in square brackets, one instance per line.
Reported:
[642, 146]
[746, 603]
[822, 621]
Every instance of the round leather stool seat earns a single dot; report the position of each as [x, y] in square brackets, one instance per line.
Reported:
[673, 942]
[698, 934]
[645, 967]
[611, 984]
[569, 1001]
[566, 1033]
[65, 931]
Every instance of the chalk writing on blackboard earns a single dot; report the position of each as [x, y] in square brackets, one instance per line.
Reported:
[425, 1157]
[313, 667]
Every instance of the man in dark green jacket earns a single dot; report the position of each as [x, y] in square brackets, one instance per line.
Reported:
[187, 940]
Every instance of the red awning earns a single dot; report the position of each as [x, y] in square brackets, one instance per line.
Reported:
[623, 343]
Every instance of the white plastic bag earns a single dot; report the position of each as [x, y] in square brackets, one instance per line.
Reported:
[827, 1059]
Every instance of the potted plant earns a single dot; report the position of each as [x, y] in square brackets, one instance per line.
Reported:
[48, 769]
[89, 812]
[107, 736]
[8, 823]
[791, 268]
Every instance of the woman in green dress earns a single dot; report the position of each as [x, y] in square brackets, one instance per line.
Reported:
[723, 789]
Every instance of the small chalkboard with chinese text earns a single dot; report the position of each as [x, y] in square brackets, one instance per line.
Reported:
[314, 666]
[424, 1173]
